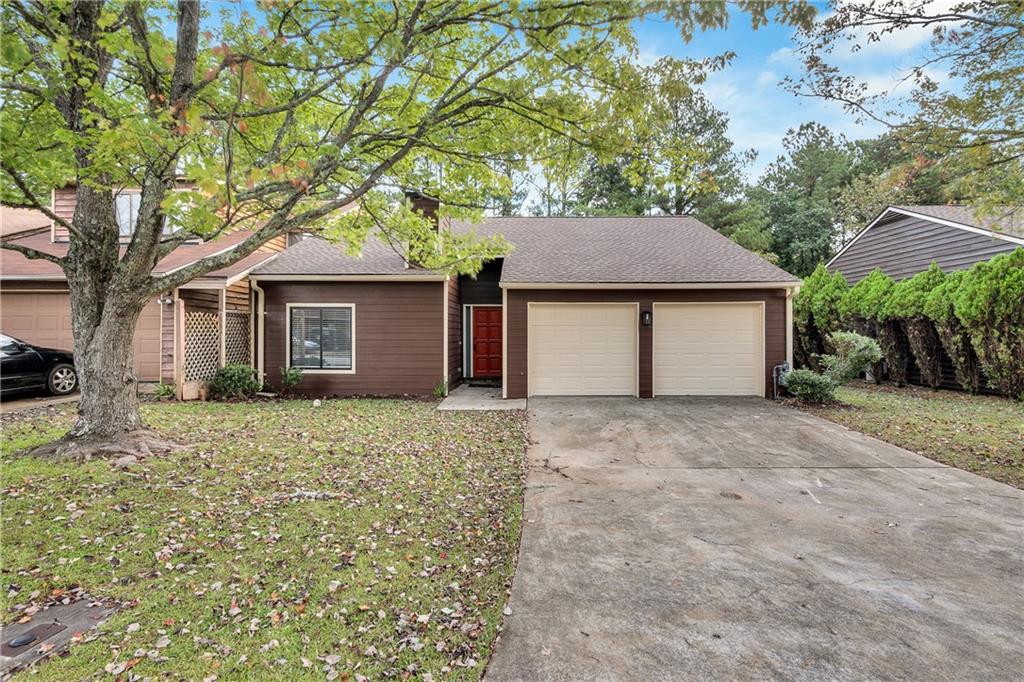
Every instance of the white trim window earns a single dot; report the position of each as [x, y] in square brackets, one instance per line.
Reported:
[127, 203]
[126, 208]
[321, 337]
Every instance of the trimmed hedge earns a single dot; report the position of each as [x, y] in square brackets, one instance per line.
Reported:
[816, 314]
[872, 304]
[990, 304]
[976, 315]
[939, 308]
[906, 304]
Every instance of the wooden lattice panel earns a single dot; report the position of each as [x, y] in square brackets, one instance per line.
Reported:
[236, 343]
[202, 345]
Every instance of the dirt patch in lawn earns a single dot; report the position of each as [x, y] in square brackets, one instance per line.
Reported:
[980, 434]
[358, 538]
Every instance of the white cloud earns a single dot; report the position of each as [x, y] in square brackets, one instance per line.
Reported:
[767, 78]
[783, 55]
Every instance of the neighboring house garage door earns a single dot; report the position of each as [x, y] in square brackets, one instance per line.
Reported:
[708, 349]
[582, 349]
[44, 319]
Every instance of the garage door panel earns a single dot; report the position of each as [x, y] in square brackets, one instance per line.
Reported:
[582, 349]
[44, 319]
[708, 349]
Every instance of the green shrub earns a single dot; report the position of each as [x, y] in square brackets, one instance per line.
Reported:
[852, 355]
[906, 305]
[864, 306]
[164, 391]
[907, 298]
[234, 381]
[990, 304]
[825, 302]
[290, 378]
[939, 308]
[864, 299]
[441, 390]
[808, 343]
[809, 386]
[816, 314]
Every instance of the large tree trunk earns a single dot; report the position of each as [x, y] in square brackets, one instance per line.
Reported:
[104, 360]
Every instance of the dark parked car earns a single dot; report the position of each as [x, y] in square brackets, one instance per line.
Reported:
[25, 367]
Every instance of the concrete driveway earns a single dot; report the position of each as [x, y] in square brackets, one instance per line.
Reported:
[738, 539]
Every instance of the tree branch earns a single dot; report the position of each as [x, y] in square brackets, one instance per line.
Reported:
[29, 252]
[34, 201]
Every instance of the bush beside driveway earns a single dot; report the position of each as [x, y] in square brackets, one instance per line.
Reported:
[358, 538]
[980, 434]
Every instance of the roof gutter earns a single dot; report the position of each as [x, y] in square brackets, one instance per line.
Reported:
[650, 285]
[348, 278]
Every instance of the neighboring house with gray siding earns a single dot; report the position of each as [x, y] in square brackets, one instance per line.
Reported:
[904, 240]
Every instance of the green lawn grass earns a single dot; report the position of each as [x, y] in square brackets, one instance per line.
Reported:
[358, 538]
[980, 434]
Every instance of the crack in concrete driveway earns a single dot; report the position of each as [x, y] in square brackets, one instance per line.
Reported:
[696, 551]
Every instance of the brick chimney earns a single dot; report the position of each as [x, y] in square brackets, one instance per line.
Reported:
[426, 205]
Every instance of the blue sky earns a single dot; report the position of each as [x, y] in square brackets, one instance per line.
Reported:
[760, 110]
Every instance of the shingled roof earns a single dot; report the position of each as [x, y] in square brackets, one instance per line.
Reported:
[316, 256]
[1005, 219]
[614, 250]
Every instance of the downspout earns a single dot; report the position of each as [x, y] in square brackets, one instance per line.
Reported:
[260, 340]
[504, 342]
[790, 293]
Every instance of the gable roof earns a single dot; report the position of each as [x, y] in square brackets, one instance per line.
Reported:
[1007, 224]
[613, 250]
[1007, 220]
[15, 266]
[316, 256]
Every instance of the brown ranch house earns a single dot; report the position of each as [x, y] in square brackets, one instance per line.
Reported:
[632, 306]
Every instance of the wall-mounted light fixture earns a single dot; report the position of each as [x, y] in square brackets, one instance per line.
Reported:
[646, 318]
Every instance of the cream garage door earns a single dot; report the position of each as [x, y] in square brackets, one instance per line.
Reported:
[44, 319]
[709, 349]
[582, 349]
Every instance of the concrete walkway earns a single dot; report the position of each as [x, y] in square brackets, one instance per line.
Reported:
[738, 539]
[466, 397]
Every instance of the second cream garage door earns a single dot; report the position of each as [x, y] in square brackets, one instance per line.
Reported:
[582, 348]
[709, 348]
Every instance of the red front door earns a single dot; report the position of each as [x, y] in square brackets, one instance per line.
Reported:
[486, 341]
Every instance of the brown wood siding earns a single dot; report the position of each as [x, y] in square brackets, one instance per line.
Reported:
[167, 344]
[516, 324]
[238, 296]
[64, 201]
[399, 341]
[905, 245]
[208, 300]
[454, 332]
[277, 244]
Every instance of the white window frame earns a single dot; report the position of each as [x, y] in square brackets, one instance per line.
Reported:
[288, 337]
[137, 191]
